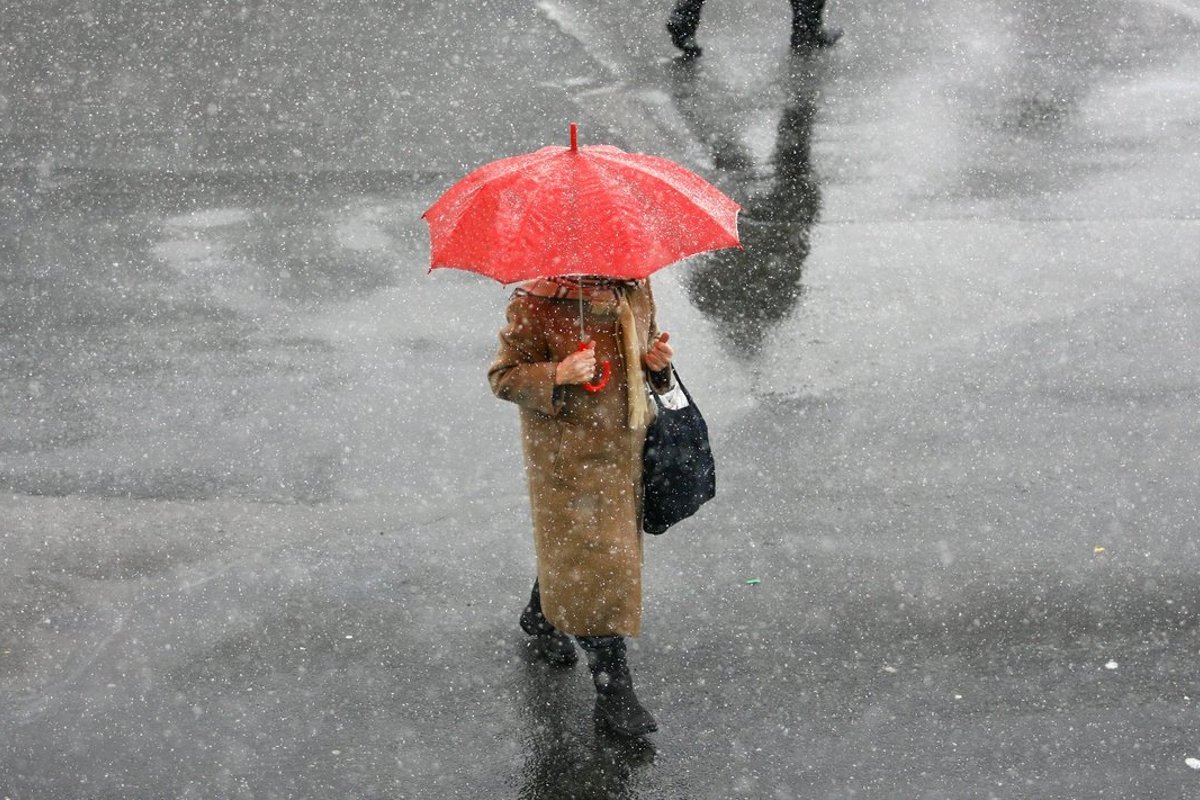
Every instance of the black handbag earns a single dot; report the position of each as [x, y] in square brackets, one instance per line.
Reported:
[678, 471]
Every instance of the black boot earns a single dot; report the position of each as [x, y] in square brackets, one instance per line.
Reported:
[807, 28]
[616, 703]
[550, 643]
[682, 24]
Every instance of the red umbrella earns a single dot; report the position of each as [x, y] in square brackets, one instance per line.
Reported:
[593, 210]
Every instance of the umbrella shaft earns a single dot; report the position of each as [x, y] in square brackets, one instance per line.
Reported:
[582, 336]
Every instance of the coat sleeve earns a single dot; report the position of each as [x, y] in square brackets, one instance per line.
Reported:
[663, 380]
[523, 370]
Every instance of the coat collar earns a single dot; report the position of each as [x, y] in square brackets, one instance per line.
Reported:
[593, 289]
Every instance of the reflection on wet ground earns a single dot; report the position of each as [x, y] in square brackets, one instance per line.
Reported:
[748, 291]
[567, 754]
[974, 570]
[130, 302]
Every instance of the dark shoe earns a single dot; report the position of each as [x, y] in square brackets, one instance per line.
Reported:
[617, 705]
[556, 649]
[683, 37]
[803, 38]
[554, 646]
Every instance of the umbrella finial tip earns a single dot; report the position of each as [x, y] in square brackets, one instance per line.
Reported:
[574, 137]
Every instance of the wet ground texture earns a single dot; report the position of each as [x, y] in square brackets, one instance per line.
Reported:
[263, 529]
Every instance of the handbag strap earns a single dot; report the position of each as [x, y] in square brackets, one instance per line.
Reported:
[679, 381]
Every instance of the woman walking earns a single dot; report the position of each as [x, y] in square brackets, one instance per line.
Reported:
[583, 461]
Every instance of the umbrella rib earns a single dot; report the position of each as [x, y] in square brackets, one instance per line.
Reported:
[491, 191]
[639, 202]
[691, 186]
[598, 210]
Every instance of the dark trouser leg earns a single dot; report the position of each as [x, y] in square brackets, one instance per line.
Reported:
[806, 14]
[682, 25]
[616, 703]
[808, 30]
[553, 645]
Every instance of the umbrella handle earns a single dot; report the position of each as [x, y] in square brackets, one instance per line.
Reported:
[605, 372]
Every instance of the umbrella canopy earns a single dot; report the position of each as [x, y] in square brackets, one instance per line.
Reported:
[593, 210]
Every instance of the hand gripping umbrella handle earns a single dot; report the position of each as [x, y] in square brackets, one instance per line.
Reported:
[605, 373]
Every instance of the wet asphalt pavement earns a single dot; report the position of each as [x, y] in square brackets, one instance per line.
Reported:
[264, 531]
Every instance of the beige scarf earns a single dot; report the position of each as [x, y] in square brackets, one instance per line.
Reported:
[602, 294]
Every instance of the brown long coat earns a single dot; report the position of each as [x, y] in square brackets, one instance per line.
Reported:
[583, 463]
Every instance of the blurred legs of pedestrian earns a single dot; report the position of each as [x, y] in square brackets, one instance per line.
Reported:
[617, 705]
[808, 30]
[682, 24]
